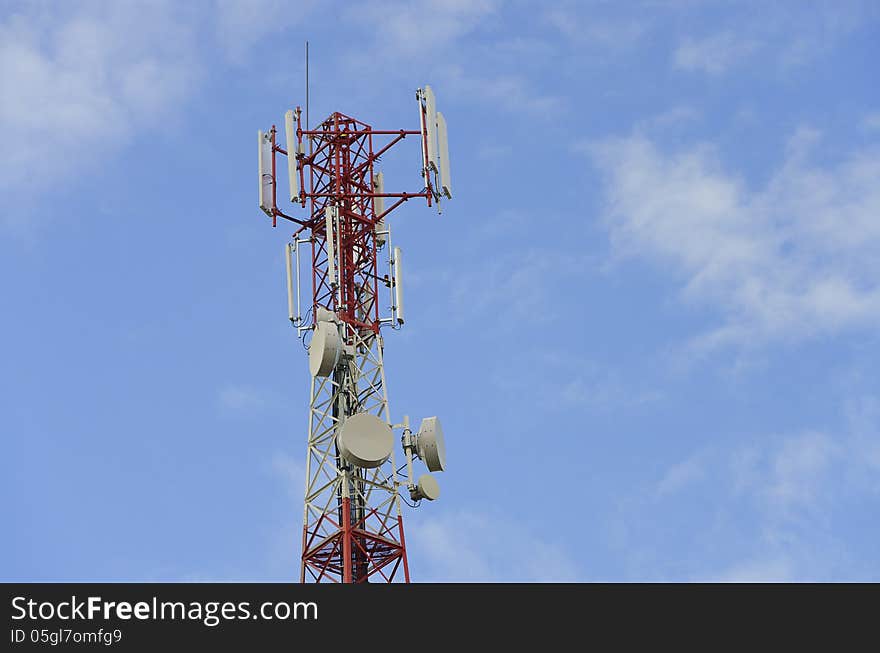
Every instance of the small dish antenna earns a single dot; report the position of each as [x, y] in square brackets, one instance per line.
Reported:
[366, 441]
[430, 444]
[324, 349]
[427, 488]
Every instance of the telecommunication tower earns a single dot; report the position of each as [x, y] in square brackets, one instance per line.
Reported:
[352, 524]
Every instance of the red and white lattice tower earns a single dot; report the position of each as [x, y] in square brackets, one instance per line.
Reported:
[353, 525]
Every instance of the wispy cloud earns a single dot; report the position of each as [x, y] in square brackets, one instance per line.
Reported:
[872, 121]
[775, 38]
[75, 84]
[587, 29]
[774, 501]
[682, 474]
[421, 27]
[770, 570]
[792, 259]
[240, 398]
[241, 24]
[507, 91]
[714, 54]
[291, 472]
[469, 546]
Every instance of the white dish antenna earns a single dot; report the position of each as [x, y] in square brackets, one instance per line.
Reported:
[430, 444]
[292, 173]
[324, 349]
[365, 440]
[325, 315]
[443, 143]
[266, 179]
[427, 488]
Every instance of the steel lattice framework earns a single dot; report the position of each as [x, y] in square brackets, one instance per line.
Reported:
[352, 524]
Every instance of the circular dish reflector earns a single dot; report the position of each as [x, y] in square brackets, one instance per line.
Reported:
[365, 440]
[428, 488]
[431, 445]
[324, 349]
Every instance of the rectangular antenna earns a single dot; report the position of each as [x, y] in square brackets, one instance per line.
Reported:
[265, 166]
[445, 183]
[290, 306]
[379, 208]
[431, 127]
[290, 133]
[331, 255]
[398, 285]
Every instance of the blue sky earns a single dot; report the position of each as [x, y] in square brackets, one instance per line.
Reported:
[648, 320]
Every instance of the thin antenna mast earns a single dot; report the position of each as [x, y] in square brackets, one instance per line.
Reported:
[307, 96]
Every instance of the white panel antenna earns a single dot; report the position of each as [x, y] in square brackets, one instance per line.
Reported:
[292, 173]
[431, 127]
[398, 286]
[266, 179]
[329, 214]
[379, 209]
[291, 308]
[443, 143]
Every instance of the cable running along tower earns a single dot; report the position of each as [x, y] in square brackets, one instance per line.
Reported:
[341, 251]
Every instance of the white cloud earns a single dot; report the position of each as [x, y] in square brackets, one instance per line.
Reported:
[506, 91]
[871, 122]
[590, 30]
[292, 473]
[80, 81]
[792, 259]
[714, 54]
[682, 474]
[602, 390]
[420, 27]
[773, 570]
[76, 84]
[242, 24]
[773, 509]
[799, 468]
[468, 546]
[777, 37]
[240, 398]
